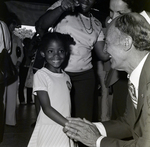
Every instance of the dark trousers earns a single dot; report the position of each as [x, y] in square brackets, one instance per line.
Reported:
[82, 94]
[2, 112]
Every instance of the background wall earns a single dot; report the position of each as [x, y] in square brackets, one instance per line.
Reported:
[28, 11]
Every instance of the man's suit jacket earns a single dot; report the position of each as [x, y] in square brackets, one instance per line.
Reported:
[135, 122]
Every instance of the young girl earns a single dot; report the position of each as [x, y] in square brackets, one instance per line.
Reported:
[52, 87]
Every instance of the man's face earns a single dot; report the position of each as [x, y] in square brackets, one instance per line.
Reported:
[117, 8]
[115, 48]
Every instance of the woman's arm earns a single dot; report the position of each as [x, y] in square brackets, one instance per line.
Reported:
[49, 110]
[51, 17]
[48, 20]
[99, 50]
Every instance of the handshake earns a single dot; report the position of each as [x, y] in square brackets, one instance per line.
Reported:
[82, 130]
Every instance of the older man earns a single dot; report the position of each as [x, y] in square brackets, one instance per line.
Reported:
[128, 43]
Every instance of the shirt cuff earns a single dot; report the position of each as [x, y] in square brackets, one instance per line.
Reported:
[101, 128]
[98, 142]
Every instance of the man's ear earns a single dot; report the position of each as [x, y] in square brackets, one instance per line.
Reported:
[42, 54]
[128, 43]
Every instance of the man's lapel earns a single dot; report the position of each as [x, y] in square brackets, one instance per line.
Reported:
[142, 85]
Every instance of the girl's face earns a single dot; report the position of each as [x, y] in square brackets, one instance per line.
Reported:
[55, 55]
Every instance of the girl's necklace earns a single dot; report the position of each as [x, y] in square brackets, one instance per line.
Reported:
[90, 29]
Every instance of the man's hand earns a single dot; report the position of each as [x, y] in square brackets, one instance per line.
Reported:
[82, 130]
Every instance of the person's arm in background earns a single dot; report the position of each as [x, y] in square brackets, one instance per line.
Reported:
[50, 18]
[6, 36]
[99, 46]
[99, 50]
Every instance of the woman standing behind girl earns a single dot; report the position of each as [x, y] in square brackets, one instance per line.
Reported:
[52, 87]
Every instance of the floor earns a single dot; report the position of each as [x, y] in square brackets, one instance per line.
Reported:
[19, 135]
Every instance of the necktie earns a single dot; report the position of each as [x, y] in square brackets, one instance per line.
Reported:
[132, 93]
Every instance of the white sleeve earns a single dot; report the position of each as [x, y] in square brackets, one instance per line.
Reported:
[144, 14]
[39, 82]
[98, 142]
[102, 130]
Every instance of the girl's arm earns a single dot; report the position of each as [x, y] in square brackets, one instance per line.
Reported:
[49, 110]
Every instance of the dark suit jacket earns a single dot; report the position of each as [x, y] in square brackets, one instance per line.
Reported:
[135, 122]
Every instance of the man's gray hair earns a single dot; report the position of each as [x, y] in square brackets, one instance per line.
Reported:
[136, 26]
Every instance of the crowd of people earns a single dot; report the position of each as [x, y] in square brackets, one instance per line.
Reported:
[65, 84]
[9, 90]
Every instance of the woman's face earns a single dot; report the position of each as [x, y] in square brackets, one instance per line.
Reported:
[86, 5]
[117, 8]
